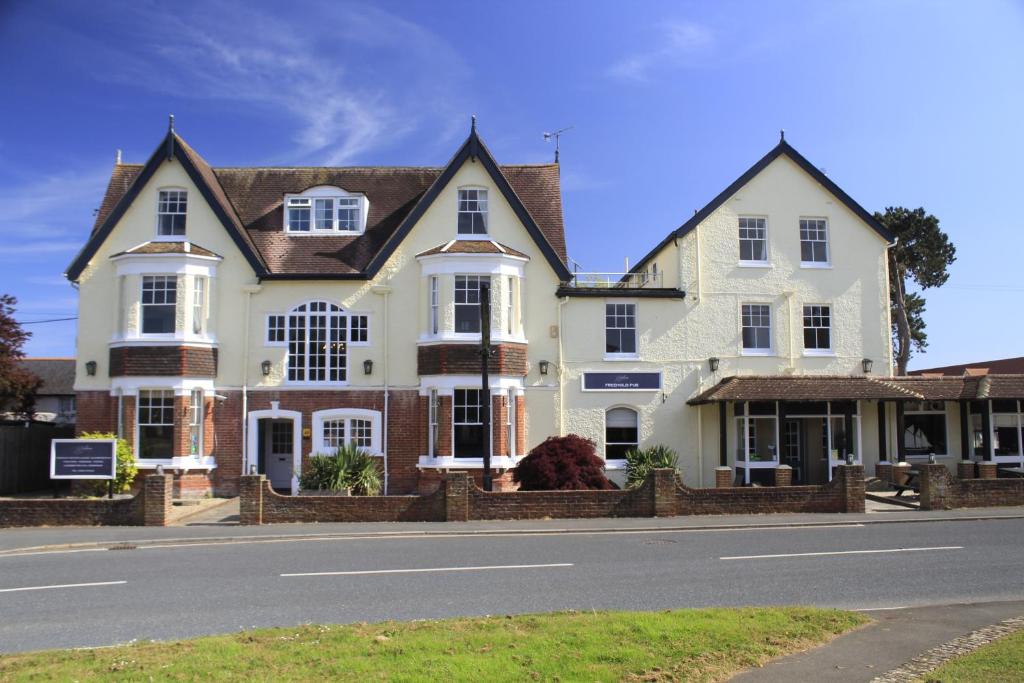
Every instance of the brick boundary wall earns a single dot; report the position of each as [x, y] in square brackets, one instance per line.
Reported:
[940, 490]
[459, 499]
[150, 507]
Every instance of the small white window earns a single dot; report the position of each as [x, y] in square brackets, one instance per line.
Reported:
[621, 433]
[511, 284]
[338, 427]
[196, 410]
[348, 214]
[753, 240]
[359, 329]
[757, 327]
[299, 214]
[817, 328]
[324, 214]
[620, 329]
[277, 330]
[172, 206]
[159, 304]
[472, 212]
[432, 423]
[813, 241]
[198, 299]
[434, 304]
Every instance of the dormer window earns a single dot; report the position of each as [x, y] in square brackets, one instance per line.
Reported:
[170, 213]
[472, 211]
[325, 210]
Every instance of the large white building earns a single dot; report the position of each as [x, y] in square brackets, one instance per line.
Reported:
[240, 319]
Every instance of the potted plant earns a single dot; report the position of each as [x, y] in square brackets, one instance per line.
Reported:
[349, 470]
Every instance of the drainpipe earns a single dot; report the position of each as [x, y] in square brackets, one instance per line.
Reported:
[384, 291]
[558, 370]
[700, 278]
[249, 291]
[789, 327]
[120, 414]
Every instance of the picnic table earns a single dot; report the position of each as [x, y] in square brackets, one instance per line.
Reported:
[1012, 471]
[911, 484]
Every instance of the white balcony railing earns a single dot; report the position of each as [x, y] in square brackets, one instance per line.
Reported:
[615, 280]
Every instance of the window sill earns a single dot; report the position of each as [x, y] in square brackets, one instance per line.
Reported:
[178, 463]
[757, 464]
[171, 238]
[323, 233]
[618, 357]
[754, 264]
[767, 353]
[819, 354]
[475, 236]
[615, 465]
[450, 462]
[812, 265]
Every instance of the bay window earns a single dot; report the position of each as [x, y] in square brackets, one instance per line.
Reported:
[467, 423]
[198, 301]
[159, 304]
[467, 302]
[196, 410]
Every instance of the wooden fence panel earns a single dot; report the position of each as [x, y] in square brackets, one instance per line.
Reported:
[25, 455]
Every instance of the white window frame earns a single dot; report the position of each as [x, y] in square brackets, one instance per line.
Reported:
[510, 421]
[340, 201]
[629, 355]
[927, 409]
[758, 351]
[830, 351]
[199, 283]
[268, 328]
[618, 463]
[196, 415]
[306, 314]
[479, 392]
[434, 322]
[827, 263]
[510, 309]
[1019, 416]
[159, 213]
[752, 263]
[486, 201]
[165, 391]
[433, 422]
[480, 278]
[142, 306]
[320, 417]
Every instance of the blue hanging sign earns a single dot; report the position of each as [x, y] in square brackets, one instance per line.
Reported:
[621, 381]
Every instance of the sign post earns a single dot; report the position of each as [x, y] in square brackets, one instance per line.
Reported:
[84, 459]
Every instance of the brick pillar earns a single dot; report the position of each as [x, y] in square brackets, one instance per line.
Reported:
[966, 469]
[723, 477]
[663, 488]
[883, 470]
[935, 483]
[851, 479]
[783, 475]
[444, 425]
[182, 443]
[456, 497]
[499, 432]
[520, 425]
[156, 500]
[250, 500]
[987, 470]
[900, 473]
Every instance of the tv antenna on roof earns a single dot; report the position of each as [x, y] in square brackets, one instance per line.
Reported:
[557, 134]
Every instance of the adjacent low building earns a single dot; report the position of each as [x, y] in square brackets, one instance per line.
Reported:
[240, 319]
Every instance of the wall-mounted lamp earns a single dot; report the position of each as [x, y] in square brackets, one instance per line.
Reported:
[90, 368]
[367, 367]
[866, 365]
[713, 364]
[543, 366]
[265, 366]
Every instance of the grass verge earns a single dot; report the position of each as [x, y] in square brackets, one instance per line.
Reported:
[998, 662]
[697, 645]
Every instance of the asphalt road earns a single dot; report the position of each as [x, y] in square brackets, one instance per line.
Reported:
[162, 592]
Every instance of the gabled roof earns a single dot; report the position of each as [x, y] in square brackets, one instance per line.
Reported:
[1004, 366]
[57, 374]
[251, 199]
[783, 148]
[473, 247]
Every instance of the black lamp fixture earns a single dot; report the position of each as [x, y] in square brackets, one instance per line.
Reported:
[367, 367]
[265, 366]
[866, 365]
[543, 366]
[90, 368]
[713, 364]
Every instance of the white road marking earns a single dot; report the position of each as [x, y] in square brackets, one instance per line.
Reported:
[434, 569]
[841, 552]
[880, 609]
[63, 585]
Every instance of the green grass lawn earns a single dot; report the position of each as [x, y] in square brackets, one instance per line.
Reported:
[699, 645]
[998, 662]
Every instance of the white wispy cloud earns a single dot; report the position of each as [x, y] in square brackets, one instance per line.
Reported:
[352, 78]
[679, 44]
[48, 207]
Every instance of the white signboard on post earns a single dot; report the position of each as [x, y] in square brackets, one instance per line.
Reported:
[83, 459]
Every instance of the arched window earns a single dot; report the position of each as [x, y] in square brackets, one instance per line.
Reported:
[337, 427]
[621, 432]
[317, 343]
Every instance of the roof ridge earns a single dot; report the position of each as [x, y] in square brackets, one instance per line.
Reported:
[896, 387]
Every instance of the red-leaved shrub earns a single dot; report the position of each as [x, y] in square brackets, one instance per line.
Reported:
[562, 463]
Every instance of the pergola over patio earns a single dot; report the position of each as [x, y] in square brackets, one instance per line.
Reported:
[982, 399]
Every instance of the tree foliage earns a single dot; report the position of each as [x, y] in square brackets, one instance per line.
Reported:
[922, 254]
[562, 463]
[18, 386]
[127, 466]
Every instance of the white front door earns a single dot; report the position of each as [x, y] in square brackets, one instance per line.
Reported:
[278, 442]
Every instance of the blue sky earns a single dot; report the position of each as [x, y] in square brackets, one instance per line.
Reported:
[912, 103]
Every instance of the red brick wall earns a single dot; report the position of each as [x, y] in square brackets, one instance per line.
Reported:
[463, 359]
[97, 412]
[940, 490]
[151, 506]
[161, 361]
[520, 425]
[224, 442]
[277, 508]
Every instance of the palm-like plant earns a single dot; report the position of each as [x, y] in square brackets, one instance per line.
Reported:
[640, 462]
[348, 467]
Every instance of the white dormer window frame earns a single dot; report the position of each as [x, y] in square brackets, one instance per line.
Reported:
[472, 209]
[171, 214]
[325, 210]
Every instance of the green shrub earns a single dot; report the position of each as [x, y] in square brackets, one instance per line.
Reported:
[349, 467]
[127, 468]
[640, 462]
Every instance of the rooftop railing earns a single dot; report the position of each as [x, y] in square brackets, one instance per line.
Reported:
[615, 280]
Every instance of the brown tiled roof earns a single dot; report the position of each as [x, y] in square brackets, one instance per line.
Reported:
[1004, 366]
[802, 388]
[168, 248]
[58, 375]
[254, 196]
[939, 388]
[473, 247]
[1001, 386]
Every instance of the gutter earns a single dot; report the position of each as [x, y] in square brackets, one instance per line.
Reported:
[385, 291]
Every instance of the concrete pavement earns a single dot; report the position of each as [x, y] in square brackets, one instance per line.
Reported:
[94, 596]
